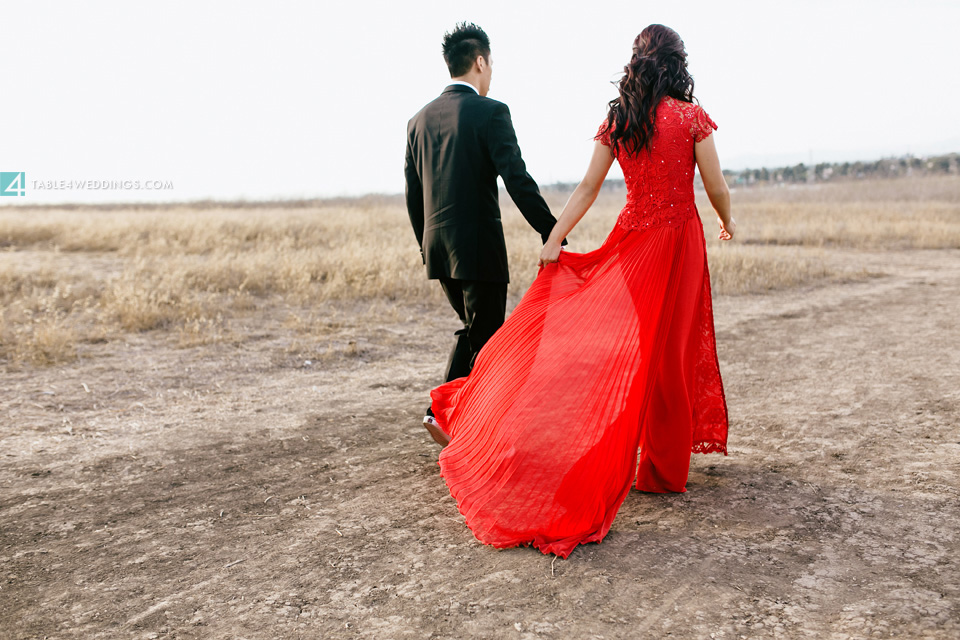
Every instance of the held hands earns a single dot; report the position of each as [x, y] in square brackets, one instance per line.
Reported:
[727, 230]
[550, 253]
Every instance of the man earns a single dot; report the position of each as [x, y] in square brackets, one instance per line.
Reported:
[457, 145]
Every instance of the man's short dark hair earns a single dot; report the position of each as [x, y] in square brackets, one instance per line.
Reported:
[462, 46]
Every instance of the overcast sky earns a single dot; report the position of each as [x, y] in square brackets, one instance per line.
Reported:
[303, 99]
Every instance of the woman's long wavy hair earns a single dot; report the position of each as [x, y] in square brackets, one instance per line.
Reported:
[657, 68]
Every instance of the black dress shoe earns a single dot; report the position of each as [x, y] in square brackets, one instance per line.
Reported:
[434, 428]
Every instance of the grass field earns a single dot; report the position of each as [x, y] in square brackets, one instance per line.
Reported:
[191, 270]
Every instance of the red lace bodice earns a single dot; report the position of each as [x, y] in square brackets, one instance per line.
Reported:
[660, 180]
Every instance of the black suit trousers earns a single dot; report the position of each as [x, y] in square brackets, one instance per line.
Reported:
[481, 307]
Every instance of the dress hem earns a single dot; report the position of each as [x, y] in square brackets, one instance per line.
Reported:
[544, 546]
[709, 447]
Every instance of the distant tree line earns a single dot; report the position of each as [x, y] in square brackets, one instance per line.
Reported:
[824, 172]
[834, 171]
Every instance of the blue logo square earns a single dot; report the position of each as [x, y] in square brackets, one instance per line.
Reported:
[13, 183]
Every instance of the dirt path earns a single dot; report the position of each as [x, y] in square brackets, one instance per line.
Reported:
[233, 491]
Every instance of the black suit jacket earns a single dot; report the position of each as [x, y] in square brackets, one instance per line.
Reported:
[456, 147]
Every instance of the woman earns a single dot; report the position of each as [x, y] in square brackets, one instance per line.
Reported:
[609, 352]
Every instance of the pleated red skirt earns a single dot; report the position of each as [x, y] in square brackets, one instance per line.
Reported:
[604, 376]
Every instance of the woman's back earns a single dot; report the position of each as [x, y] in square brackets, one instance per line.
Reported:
[660, 179]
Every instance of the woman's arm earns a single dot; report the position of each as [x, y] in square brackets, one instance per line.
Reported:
[715, 184]
[580, 200]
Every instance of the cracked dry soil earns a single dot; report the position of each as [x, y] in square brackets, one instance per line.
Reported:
[231, 491]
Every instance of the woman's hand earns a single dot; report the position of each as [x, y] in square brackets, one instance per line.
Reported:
[727, 230]
[550, 253]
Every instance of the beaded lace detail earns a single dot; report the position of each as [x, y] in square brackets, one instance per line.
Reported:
[660, 179]
[710, 408]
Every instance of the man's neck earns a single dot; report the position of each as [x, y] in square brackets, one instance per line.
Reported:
[463, 80]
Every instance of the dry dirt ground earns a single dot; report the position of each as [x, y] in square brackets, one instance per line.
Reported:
[231, 490]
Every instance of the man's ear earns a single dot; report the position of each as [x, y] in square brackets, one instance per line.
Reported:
[480, 64]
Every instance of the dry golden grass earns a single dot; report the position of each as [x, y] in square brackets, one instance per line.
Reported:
[921, 213]
[47, 339]
[738, 268]
[78, 274]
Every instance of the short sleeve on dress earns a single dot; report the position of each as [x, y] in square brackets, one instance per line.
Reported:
[604, 138]
[703, 125]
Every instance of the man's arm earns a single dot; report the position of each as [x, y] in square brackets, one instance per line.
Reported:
[414, 196]
[505, 153]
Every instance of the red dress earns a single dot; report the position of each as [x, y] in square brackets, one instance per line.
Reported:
[604, 376]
